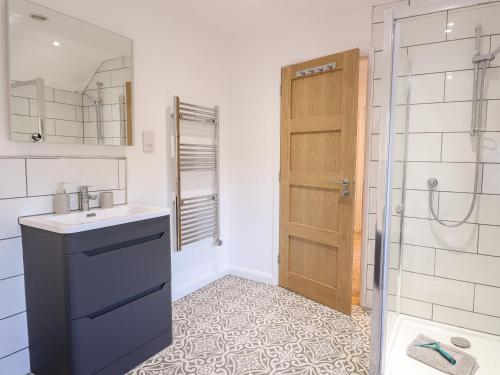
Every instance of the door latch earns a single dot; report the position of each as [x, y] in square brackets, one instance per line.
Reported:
[345, 186]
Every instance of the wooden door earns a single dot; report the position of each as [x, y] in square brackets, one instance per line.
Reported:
[319, 105]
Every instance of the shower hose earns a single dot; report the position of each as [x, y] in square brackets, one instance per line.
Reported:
[477, 112]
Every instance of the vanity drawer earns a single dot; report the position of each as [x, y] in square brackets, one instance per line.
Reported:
[100, 339]
[79, 242]
[106, 275]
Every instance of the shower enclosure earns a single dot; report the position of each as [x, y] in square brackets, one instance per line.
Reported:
[437, 242]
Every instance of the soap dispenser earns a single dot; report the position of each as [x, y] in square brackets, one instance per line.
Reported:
[61, 200]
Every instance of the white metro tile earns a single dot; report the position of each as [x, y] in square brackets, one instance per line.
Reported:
[68, 97]
[60, 111]
[378, 36]
[489, 209]
[378, 64]
[11, 257]
[371, 226]
[120, 76]
[12, 296]
[455, 206]
[466, 319]
[452, 176]
[398, 148]
[14, 334]
[374, 147]
[368, 299]
[44, 174]
[495, 43]
[19, 106]
[492, 86]
[459, 86]
[112, 129]
[462, 22]
[417, 203]
[376, 119]
[23, 124]
[459, 147]
[373, 174]
[372, 201]
[394, 256]
[424, 147]
[427, 88]
[429, 233]
[487, 300]
[418, 259]
[491, 147]
[440, 117]
[69, 128]
[397, 175]
[468, 267]
[437, 290]
[416, 308]
[122, 174]
[377, 93]
[423, 29]
[493, 116]
[369, 277]
[12, 209]
[370, 252]
[489, 243]
[446, 56]
[16, 363]
[14, 178]
[400, 119]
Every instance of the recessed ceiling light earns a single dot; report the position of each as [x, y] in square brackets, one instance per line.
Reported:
[55, 43]
[451, 24]
[448, 30]
[39, 17]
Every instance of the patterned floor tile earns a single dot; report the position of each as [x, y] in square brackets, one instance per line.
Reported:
[235, 326]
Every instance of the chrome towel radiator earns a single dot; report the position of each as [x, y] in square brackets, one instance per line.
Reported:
[197, 217]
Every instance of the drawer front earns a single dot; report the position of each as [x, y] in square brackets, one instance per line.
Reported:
[106, 275]
[92, 239]
[105, 337]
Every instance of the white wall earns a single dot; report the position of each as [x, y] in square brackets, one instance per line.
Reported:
[254, 133]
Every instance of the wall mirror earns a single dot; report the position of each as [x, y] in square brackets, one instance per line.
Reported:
[70, 81]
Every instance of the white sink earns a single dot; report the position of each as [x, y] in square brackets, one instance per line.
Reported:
[93, 219]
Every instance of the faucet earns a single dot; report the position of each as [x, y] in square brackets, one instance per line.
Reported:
[84, 197]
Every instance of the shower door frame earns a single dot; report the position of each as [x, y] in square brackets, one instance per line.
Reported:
[386, 137]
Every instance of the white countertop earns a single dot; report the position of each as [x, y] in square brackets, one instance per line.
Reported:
[79, 221]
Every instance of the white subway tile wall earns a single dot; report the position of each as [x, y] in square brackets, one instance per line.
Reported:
[64, 114]
[450, 275]
[27, 189]
[113, 75]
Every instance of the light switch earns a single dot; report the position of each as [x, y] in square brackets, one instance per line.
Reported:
[148, 142]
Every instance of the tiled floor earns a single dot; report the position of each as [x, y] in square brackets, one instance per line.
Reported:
[241, 327]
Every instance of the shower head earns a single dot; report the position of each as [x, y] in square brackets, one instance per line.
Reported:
[485, 56]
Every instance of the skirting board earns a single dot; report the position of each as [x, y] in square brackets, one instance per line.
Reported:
[254, 275]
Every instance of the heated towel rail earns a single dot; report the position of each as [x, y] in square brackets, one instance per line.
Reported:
[197, 217]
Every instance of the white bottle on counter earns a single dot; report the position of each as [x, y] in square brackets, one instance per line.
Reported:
[61, 200]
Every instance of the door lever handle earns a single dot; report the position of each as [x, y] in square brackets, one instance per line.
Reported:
[345, 185]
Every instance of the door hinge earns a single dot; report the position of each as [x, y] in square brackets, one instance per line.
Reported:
[278, 258]
[279, 176]
[281, 90]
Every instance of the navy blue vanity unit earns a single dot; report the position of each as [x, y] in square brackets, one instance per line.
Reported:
[98, 301]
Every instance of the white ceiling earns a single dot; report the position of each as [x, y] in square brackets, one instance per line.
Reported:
[83, 47]
[242, 18]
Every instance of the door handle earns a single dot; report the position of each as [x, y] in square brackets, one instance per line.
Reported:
[345, 185]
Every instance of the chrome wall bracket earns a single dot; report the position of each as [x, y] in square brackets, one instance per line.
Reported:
[316, 70]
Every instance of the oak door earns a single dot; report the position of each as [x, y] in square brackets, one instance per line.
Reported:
[319, 105]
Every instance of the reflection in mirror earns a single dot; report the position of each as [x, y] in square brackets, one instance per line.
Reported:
[70, 82]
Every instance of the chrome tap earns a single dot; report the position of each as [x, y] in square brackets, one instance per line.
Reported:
[84, 198]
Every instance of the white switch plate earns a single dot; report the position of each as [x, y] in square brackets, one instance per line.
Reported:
[148, 142]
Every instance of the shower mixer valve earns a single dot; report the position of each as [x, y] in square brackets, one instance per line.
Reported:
[432, 183]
